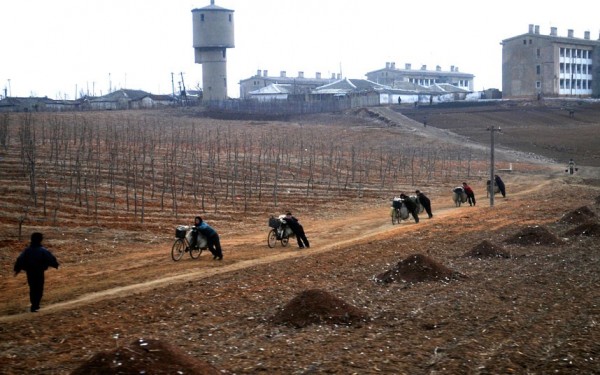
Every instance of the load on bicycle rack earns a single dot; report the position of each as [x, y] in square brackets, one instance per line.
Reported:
[184, 238]
[399, 211]
[280, 231]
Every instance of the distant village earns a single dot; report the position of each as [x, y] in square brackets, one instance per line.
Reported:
[262, 89]
[535, 66]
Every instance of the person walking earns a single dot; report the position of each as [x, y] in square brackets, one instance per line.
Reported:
[425, 202]
[212, 238]
[470, 194]
[411, 206]
[571, 167]
[498, 181]
[298, 230]
[35, 260]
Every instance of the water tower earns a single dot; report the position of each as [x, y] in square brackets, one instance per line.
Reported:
[213, 34]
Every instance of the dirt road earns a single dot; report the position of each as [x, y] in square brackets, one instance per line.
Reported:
[249, 249]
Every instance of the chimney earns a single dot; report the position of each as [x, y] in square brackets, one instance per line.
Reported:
[339, 76]
[393, 65]
[438, 68]
[423, 67]
[570, 33]
[387, 65]
[265, 73]
[300, 74]
[530, 28]
[553, 31]
[537, 29]
[451, 68]
[318, 75]
[258, 72]
[407, 66]
[456, 69]
[332, 75]
[586, 35]
[282, 74]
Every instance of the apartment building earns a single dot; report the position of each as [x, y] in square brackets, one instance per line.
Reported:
[538, 65]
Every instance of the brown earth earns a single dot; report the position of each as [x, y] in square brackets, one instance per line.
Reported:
[535, 312]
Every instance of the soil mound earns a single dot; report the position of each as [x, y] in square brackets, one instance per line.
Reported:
[590, 229]
[598, 200]
[534, 235]
[418, 268]
[486, 249]
[578, 216]
[145, 357]
[316, 306]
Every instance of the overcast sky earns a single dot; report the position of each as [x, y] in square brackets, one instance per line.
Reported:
[60, 48]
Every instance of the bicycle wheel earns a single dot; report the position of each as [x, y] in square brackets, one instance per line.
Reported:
[395, 217]
[285, 241]
[195, 252]
[272, 238]
[178, 249]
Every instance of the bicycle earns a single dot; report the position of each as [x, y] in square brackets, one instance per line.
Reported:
[279, 232]
[182, 244]
[395, 213]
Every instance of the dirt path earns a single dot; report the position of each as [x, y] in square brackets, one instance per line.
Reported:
[365, 226]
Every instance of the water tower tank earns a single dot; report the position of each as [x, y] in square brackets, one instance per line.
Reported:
[212, 35]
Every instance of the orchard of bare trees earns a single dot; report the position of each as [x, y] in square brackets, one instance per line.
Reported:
[140, 166]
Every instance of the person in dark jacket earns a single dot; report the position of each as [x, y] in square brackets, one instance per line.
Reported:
[298, 230]
[35, 260]
[470, 194]
[498, 181]
[411, 206]
[212, 238]
[425, 202]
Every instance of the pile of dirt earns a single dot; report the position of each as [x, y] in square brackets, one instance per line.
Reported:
[534, 235]
[418, 268]
[590, 229]
[317, 306]
[145, 357]
[597, 200]
[486, 249]
[578, 216]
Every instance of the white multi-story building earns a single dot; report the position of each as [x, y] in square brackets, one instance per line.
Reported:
[535, 65]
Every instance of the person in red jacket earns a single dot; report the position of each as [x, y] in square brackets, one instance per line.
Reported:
[470, 194]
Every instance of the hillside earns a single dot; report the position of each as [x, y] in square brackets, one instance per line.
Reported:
[511, 288]
[556, 129]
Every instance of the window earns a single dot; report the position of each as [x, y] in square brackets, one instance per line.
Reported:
[202, 17]
[538, 70]
[562, 83]
[230, 18]
[539, 53]
[562, 67]
[525, 41]
[562, 52]
[538, 84]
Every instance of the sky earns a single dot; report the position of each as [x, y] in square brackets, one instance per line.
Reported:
[65, 48]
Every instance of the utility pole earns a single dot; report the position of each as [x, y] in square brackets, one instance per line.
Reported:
[492, 130]
[183, 92]
[9, 88]
[173, 84]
